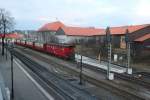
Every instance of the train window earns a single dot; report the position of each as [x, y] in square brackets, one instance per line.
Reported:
[30, 43]
[39, 44]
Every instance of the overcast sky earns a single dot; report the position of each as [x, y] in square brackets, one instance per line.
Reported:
[31, 14]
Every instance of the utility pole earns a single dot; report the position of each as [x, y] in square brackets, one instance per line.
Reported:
[110, 75]
[128, 52]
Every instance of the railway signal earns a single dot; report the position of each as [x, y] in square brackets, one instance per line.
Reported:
[128, 51]
[110, 75]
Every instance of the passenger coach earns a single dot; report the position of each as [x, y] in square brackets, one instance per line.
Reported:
[65, 51]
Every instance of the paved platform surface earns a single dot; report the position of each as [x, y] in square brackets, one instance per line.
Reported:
[102, 65]
[24, 87]
[4, 91]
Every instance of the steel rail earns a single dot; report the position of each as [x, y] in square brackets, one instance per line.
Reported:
[94, 81]
[39, 70]
[126, 77]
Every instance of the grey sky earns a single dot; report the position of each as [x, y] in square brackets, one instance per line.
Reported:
[31, 14]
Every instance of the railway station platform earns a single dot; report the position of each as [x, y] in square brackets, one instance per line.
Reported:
[101, 65]
[25, 87]
[4, 91]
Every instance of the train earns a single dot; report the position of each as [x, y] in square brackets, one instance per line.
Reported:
[65, 51]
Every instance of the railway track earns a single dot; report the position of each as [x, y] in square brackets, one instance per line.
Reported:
[130, 78]
[136, 77]
[146, 74]
[97, 82]
[61, 86]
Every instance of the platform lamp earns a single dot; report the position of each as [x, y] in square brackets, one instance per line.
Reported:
[110, 75]
[81, 66]
[128, 51]
[6, 48]
[12, 74]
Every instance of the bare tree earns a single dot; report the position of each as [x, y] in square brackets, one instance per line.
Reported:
[6, 25]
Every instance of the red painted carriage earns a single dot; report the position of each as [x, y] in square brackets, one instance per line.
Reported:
[65, 51]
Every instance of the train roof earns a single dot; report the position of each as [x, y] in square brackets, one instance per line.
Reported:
[58, 44]
[62, 44]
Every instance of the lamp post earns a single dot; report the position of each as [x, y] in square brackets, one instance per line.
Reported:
[6, 48]
[128, 52]
[110, 75]
[81, 70]
[81, 66]
[12, 75]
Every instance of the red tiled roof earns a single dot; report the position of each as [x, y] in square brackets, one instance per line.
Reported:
[12, 35]
[122, 29]
[81, 31]
[54, 26]
[143, 38]
[76, 31]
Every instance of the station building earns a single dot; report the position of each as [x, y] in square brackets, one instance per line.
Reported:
[59, 32]
[79, 34]
[47, 32]
[139, 36]
[59, 29]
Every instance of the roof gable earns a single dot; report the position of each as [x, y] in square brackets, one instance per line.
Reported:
[82, 31]
[122, 29]
[54, 26]
[143, 38]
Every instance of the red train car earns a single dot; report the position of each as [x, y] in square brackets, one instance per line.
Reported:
[39, 46]
[61, 50]
[22, 42]
[29, 44]
[18, 42]
[65, 51]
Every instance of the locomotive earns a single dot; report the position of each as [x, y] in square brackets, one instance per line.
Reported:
[65, 51]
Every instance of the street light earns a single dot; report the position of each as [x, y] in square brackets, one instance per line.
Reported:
[110, 75]
[128, 48]
[6, 45]
[12, 78]
[81, 66]
[81, 70]
[12, 74]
